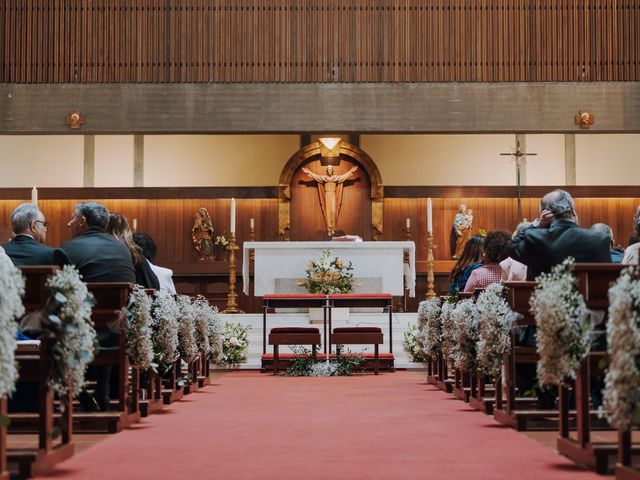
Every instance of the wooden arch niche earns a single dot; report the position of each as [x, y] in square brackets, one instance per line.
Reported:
[299, 211]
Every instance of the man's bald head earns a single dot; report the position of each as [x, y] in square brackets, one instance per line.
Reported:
[560, 203]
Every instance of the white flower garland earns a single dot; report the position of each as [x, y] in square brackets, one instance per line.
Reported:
[187, 345]
[496, 319]
[465, 333]
[69, 314]
[11, 307]
[562, 324]
[165, 313]
[429, 322]
[139, 342]
[446, 320]
[201, 311]
[622, 381]
[216, 334]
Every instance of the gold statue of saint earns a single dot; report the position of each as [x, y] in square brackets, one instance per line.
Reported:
[330, 192]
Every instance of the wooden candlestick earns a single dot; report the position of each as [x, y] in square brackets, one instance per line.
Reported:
[430, 278]
[232, 296]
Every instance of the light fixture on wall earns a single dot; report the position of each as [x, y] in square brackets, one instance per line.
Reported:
[585, 119]
[330, 150]
[74, 120]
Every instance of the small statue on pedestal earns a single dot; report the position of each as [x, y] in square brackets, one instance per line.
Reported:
[460, 230]
[202, 234]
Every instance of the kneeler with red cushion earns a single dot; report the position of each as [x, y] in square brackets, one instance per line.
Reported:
[359, 336]
[292, 336]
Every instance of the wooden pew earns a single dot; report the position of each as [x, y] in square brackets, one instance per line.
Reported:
[111, 298]
[594, 280]
[171, 391]
[509, 410]
[624, 468]
[33, 364]
[4, 473]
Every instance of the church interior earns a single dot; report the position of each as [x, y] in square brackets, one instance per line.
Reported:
[247, 138]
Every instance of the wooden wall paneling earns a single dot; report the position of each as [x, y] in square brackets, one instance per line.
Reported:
[320, 41]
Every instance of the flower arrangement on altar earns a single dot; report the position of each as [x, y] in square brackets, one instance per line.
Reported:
[235, 343]
[223, 240]
[413, 343]
[165, 313]
[68, 313]
[465, 334]
[329, 275]
[306, 365]
[138, 327]
[12, 288]
[430, 323]
[495, 319]
[562, 318]
[622, 381]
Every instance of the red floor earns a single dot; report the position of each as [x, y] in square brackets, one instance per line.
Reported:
[256, 426]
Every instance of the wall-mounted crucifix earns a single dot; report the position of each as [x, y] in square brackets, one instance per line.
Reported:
[520, 156]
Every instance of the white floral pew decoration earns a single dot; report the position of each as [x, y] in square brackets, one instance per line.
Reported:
[12, 287]
[495, 318]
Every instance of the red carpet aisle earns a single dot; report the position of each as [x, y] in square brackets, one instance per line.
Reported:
[254, 426]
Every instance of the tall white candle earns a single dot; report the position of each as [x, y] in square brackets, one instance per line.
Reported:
[135, 224]
[34, 196]
[233, 216]
[252, 223]
[408, 223]
[429, 216]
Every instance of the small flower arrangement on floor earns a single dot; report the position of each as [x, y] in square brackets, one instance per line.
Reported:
[329, 275]
[235, 343]
[305, 365]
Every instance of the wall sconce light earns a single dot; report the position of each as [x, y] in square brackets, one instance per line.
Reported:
[330, 150]
[74, 120]
[585, 119]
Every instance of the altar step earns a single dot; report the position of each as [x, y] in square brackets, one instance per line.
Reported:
[400, 323]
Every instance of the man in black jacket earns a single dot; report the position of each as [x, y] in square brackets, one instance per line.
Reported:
[555, 235]
[30, 232]
[552, 237]
[99, 257]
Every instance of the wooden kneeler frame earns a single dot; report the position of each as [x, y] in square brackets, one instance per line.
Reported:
[292, 336]
[359, 336]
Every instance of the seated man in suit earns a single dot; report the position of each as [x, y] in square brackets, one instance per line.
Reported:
[29, 234]
[551, 238]
[99, 257]
[556, 235]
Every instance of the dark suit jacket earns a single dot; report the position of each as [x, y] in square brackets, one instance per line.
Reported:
[99, 257]
[25, 250]
[540, 249]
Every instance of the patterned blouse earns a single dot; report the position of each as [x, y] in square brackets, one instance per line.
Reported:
[483, 276]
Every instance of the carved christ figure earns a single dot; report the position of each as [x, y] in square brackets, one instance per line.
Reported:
[330, 193]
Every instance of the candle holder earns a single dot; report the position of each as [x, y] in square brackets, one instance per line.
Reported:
[252, 238]
[430, 278]
[232, 296]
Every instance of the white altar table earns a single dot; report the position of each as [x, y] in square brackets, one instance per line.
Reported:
[383, 260]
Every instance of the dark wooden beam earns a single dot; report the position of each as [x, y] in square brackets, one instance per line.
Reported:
[307, 108]
[471, 191]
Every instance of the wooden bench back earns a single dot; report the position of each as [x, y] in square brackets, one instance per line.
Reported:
[594, 280]
[36, 292]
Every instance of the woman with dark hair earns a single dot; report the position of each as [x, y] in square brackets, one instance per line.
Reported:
[496, 249]
[470, 259]
[632, 252]
[119, 228]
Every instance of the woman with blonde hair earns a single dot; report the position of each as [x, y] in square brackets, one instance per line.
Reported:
[119, 228]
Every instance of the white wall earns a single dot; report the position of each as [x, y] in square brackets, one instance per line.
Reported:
[257, 160]
[113, 161]
[43, 161]
[216, 160]
[607, 159]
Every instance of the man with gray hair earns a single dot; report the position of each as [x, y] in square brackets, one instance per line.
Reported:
[99, 257]
[604, 229]
[29, 234]
[555, 235]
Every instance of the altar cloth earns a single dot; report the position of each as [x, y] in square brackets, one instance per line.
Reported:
[385, 260]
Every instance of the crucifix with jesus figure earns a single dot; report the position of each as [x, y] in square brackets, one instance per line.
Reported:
[519, 156]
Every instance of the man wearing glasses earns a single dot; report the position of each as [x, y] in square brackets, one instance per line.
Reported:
[29, 234]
